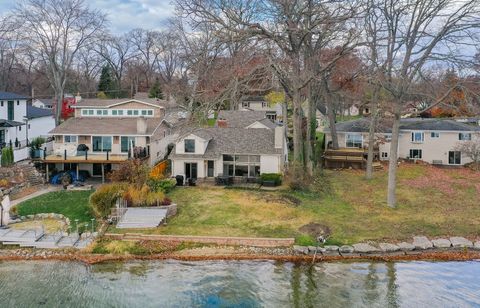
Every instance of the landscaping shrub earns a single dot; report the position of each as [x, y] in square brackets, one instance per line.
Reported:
[274, 177]
[133, 171]
[166, 201]
[143, 196]
[4, 183]
[164, 185]
[103, 199]
[7, 157]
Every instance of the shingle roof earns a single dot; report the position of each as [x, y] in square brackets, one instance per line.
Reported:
[268, 123]
[9, 95]
[35, 112]
[100, 126]
[235, 141]
[363, 125]
[103, 103]
[241, 119]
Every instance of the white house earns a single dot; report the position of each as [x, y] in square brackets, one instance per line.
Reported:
[39, 121]
[43, 103]
[13, 111]
[229, 150]
[258, 103]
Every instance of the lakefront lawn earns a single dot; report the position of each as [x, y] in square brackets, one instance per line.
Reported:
[431, 202]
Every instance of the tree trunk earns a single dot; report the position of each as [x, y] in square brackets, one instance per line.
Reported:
[331, 120]
[392, 167]
[297, 129]
[310, 138]
[371, 134]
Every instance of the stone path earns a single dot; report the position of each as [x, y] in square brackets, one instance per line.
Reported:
[40, 192]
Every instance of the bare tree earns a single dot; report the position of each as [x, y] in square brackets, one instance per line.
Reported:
[414, 34]
[57, 30]
[471, 149]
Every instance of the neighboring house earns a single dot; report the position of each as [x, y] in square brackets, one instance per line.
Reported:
[43, 103]
[39, 121]
[113, 130]
[13, 111]
[243, 149]
[320, 116]
[241, 119]
[258, 103]
[431, 140]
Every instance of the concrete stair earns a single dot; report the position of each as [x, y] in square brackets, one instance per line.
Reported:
[135, 218]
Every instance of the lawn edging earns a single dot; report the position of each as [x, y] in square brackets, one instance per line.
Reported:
[217, 240]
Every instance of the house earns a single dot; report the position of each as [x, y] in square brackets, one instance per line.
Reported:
[43, 103]
[39, 122]
[236, 147]
[258, 103]
[13, 111]
[103, 133]
[434, 141]
[243, 119]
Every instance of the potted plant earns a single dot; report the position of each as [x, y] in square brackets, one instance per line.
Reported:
[35, 147]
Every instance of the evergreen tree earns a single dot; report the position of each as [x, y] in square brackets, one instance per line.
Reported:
[106, 83]
[156, 90]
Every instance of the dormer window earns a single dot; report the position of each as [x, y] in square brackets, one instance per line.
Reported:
[189, 146]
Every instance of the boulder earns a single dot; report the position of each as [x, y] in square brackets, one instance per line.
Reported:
[460, 242]
[441, 243]
[476, 245]
[300, 249]
[406, 246]
[346, 249]
[365, 248]
[331, 248]
[421, 242]
[387, 247]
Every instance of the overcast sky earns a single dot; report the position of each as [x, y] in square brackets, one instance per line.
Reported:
[125, 15]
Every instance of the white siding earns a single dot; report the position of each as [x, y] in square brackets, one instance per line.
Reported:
[40, 127]
[200, 145]
[270, 164]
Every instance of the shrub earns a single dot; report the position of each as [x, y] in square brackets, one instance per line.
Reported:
[37, 142]
[296, 178]
[143, 196]
[133, 171]
[274, 177]
[4, 183]
[103, 199]
[166, 201]
[13, 211]
[7, 157]
[164, 185]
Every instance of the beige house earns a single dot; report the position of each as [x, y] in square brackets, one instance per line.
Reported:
[434, 141]
[104, 133]
[259, 103]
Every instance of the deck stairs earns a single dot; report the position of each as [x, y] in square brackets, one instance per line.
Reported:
[142, 218]
[39, 239]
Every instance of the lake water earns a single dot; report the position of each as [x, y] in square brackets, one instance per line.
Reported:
[240, 284]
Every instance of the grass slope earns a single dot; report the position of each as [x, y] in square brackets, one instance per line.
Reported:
[72, 204]
[431, 201]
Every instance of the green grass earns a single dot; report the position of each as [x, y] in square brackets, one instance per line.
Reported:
[211, 122]
[355, 211]
[71, 204]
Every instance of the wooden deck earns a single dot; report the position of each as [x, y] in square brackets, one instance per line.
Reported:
[347, 158]
[91, 159]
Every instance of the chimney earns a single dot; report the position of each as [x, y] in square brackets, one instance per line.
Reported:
[141, 125]
[279, 137]
[222, 123]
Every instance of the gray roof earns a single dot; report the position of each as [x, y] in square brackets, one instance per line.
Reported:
[241, 119]
[429, 124]
[268, 123]
[9, 95]
[253, 141]
[8, 123]
[107, 126]
[105, 103]
[34, 112]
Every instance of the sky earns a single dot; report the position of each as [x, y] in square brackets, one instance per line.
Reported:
[124, 15]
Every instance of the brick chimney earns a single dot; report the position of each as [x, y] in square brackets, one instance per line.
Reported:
[279, 137]
[141, 125]
[222, 123]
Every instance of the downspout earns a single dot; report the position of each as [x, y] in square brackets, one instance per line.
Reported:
[1, 215]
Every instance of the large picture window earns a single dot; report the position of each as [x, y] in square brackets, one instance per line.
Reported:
[70, 139]
[126, 143]
[464, 136]
[354, 141]
[415, 154]
[102, 143]
[189, 146]
[241, 165]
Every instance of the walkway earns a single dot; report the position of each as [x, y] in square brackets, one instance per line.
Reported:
[142, 218]
[39, 239]
[40, 192]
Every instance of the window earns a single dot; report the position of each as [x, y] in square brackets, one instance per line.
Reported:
[415, 154]
[105, 112]
[246, 104]
[2, 103]
[435, 135]
[18, 103]
[144, 112]
[84, 111]
[129, 112]
[135, 112]
[388, 137]
[384, 154]
[354, 141]
[264, 104]
[150, 112]
[189, 146]
[417, 137]
[20, 128]
[69, 139]
[114, 112]
[90, 112]
[99, 112]
[464, 136]
[241, 165]
[454, 157]
[28, 126]
[102, 143]
[126, 143]
[210, 168]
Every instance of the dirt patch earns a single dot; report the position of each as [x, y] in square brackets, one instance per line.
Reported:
[282, 199]
[315, 229]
